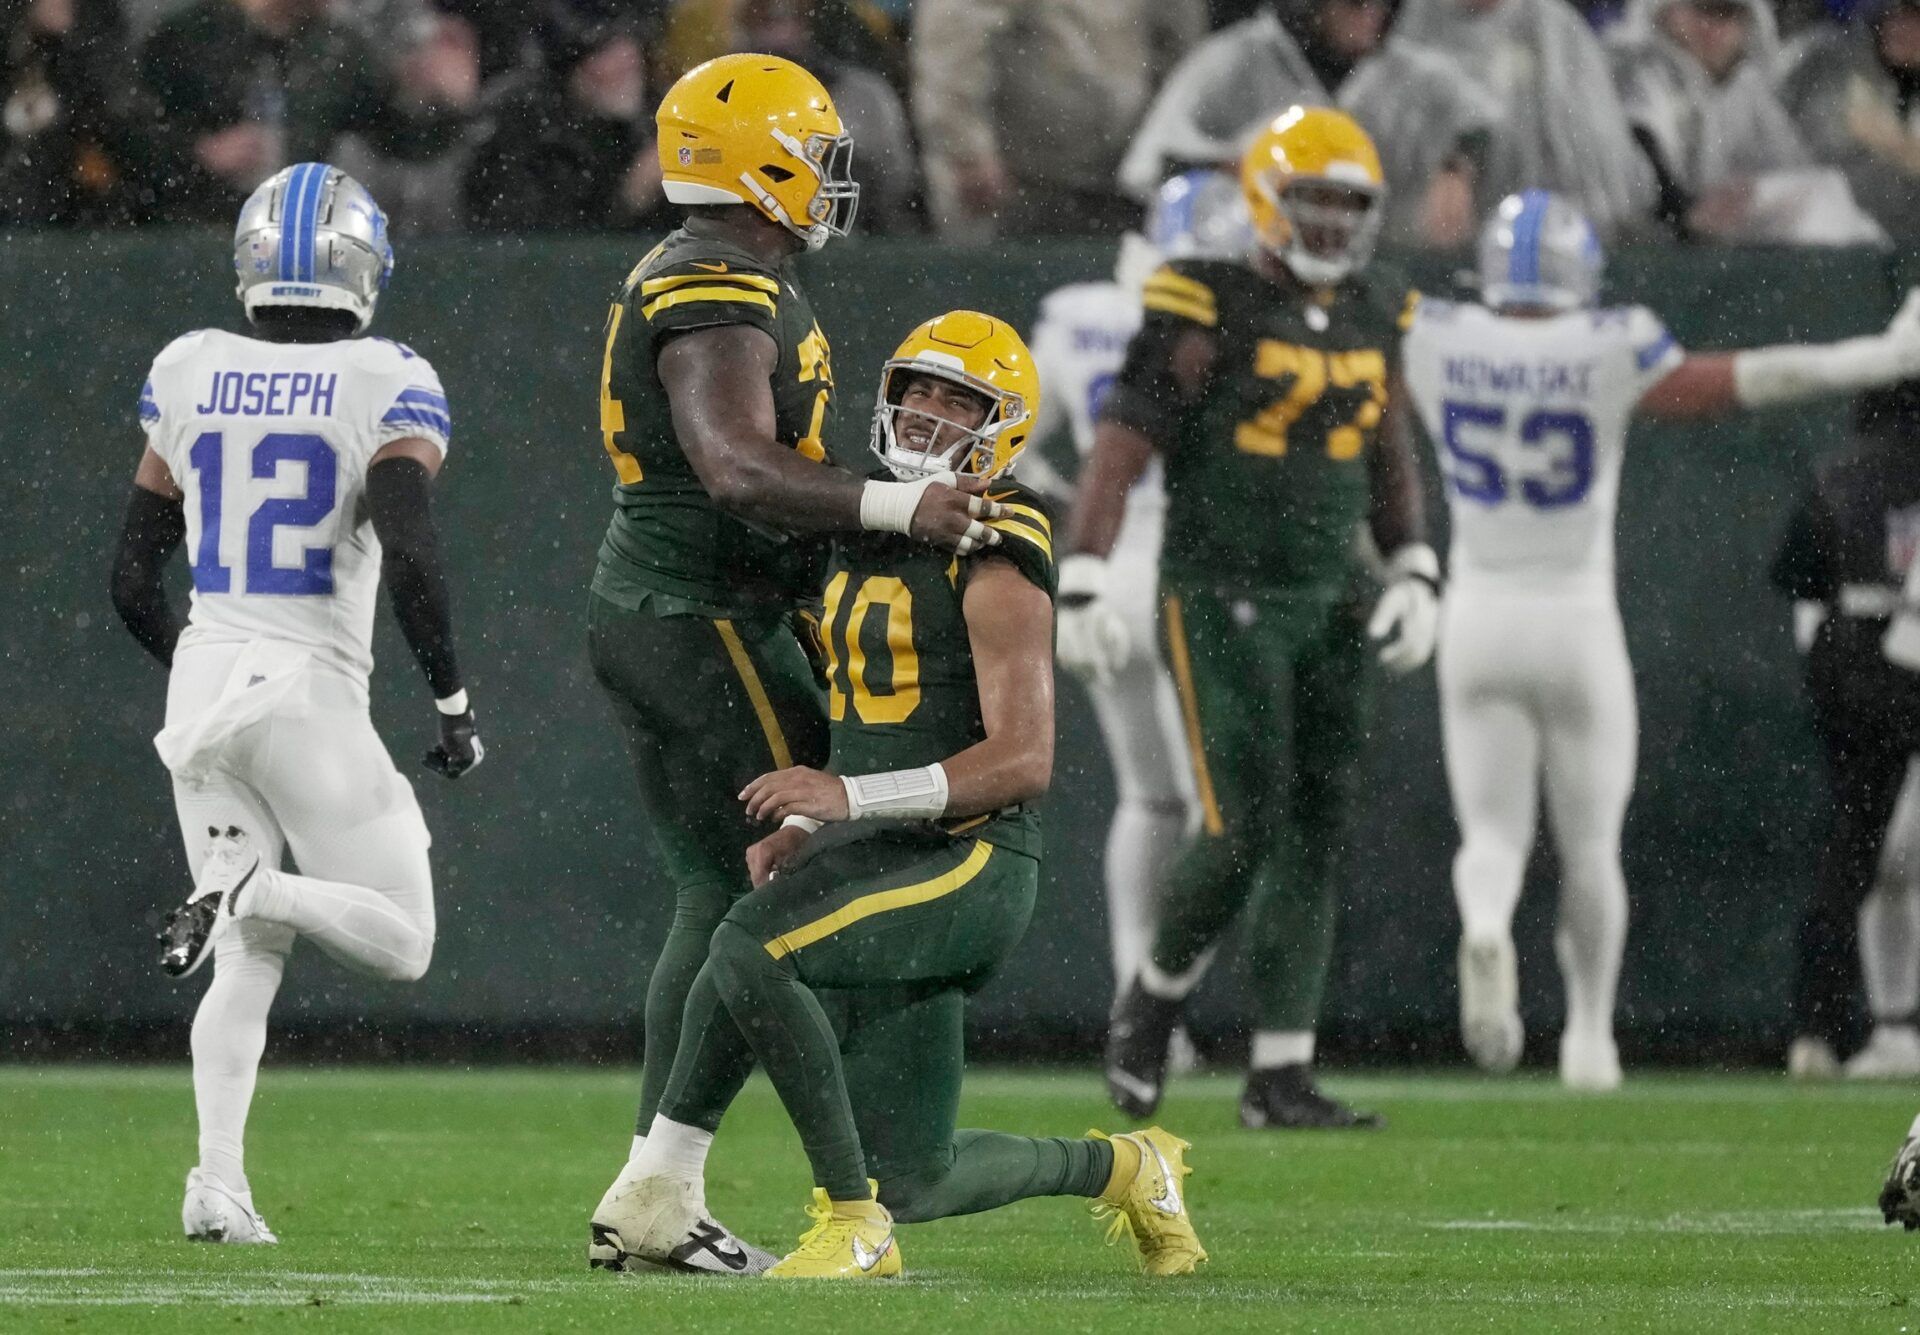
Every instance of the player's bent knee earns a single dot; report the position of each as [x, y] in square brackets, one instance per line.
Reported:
[737, 957]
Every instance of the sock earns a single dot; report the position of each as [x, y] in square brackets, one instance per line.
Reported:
[781, 1019]
[1592, 936]
[673, 1149]
[357, 926]
[1173, 987]
[633, 1152]
[697, 910]
[1126, 1167]
[1281, 1047]
[990, 1169]
[1488, 873]
[1142, 842]
[229, 1034]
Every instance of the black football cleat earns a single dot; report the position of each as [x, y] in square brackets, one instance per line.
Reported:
[186, 938]
[1139, 1034]
[1285, 1098]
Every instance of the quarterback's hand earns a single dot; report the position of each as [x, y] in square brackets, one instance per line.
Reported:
[459, 749]
[799, 791]
[774, 854]
[1903, 333]
[1091, 638]
[1407, 618]
[952, 516]
[1900, 1194]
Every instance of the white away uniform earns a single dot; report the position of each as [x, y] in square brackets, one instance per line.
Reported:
[1530, 419]
[267, 722]
[1079, 344]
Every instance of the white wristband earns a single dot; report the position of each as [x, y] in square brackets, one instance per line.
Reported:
[1416, 560]
[1763, 377]
[887, 507]
[454, 704]
[807, 823]
[901, 794]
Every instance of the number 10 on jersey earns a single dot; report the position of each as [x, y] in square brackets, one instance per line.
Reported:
[313, 576]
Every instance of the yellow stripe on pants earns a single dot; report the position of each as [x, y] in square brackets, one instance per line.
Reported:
[881, 901]
[757, 693]
[1190, 711]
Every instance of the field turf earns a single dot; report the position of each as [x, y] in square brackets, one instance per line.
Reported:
[420, 1199]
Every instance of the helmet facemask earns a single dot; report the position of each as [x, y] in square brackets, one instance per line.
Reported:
[918, 441]
[836, 195]
[1330, 224]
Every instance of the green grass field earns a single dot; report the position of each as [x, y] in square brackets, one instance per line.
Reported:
[433, 1200]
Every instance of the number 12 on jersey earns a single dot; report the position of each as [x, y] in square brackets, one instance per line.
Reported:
[314, 575]
[1563, 439]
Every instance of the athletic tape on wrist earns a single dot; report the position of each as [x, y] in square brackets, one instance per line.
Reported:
[901, 794]
[888, 507]
[807, 823]
[452, 705]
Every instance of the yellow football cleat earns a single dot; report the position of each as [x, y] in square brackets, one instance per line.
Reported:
[849, 1240]
[1151, 1206]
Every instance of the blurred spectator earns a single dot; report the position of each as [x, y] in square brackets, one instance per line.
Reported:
[1696, 77]
[1024, 109]
[572, 144]
[883, 160]
[1430, 124]
[1855, 94]
[1561, 123]
[77, 150]
[856, 32]
[248, 86]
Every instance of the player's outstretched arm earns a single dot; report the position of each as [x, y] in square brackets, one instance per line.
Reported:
[723, 415]
[1406, 620]
[1712, 384]
[399, 496]
[154, 527]
[1010, 628]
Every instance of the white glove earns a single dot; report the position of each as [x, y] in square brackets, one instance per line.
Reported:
[1093, 642]
[1407, 617]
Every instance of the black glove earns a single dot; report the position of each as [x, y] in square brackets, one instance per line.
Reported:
[459, 750]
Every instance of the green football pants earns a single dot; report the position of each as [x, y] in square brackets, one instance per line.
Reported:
[1274, 694]
[706, 706]
[900, 928]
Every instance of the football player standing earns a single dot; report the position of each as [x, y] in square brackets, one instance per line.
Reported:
[296, 464]
[1079, 343]
[715, 386]
[1264, 389]
[1527, 396]
[902, 875]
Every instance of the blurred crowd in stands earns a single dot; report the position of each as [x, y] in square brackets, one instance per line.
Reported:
[1704, 120]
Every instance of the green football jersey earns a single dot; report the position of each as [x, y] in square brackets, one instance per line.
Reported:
[900, 681]
[669, 544]
[1267, 473]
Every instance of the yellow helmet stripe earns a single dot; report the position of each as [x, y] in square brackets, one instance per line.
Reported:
[1019, 528]
[1200, 314]
[684, 295]
[653, 286]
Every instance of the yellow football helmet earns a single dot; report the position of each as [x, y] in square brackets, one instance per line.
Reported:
[1314, 146]
[759, 130]
[980, 354]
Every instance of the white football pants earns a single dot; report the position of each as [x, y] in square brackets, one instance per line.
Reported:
[1535, 682]
[311, 779]
[1890, 916]
[1139, 717]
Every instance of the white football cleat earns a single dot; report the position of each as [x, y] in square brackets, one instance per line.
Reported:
[649, 1223]
[212, 1213]
[1810, 1058]
[187, 937]
[1892, 1053]
[1589, 1062]
[1490, 1023]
